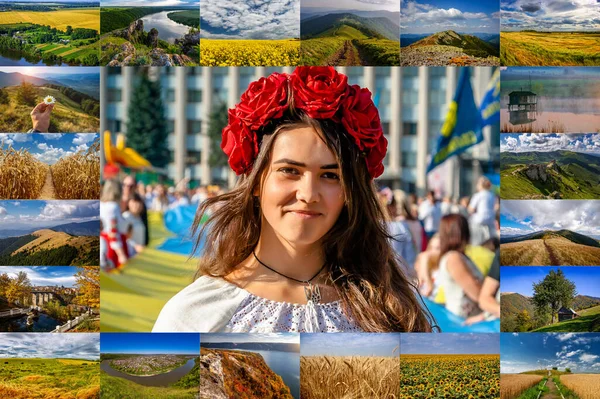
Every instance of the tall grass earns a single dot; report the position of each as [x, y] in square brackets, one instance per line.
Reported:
[78, 176]
[22, 176]
[345, 377]
[586, 386]
[513, 385]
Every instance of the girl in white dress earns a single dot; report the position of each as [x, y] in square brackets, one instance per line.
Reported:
[300, 244]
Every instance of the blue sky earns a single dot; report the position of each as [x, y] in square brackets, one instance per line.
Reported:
[519, 217]
[550, 15]
[49, 147]
[50, 346]
[242, 19]
[426, 17]
[349, 344]
[449, 344]
[151, 343]
[289, 338]
[350, 5]
[520, 279]
[546, 142]
[25, 214]
[537, 351]
[44, 275]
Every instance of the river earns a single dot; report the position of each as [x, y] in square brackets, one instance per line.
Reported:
[159, 380]
[168, 29]
[15, 58]
[43, 323]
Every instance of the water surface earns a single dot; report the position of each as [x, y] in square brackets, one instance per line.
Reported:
[168, 29]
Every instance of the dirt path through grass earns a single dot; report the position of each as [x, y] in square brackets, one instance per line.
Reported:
[48, 191]
[553, 391]
[551, 255]
[345, 56]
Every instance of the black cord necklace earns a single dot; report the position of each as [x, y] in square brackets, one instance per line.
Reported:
[312, 291]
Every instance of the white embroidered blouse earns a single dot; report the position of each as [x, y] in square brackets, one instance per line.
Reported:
[212, 304]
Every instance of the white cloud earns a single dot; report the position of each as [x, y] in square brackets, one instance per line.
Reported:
[83, 138]
[588, 358]
[52, 136]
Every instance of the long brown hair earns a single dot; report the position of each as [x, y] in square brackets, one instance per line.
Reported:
[454, 233]
[360, 261]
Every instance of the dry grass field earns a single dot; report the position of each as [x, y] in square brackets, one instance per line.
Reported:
[22, 176]
[346, 377]
[548, 252]
[586, 386]
[88, 18]
[78, 176]
[549, 48]
[512, 385]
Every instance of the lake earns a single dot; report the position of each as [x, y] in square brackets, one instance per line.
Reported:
[168, 29]
[43, 323]
[15, 58]
[159, 380]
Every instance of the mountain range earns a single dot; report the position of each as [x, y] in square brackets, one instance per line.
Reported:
[406, 39]
[375, 27]
[90, 228]
[575, 238]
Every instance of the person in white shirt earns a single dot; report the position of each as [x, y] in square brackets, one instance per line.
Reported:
[430, 214]
[482, 221]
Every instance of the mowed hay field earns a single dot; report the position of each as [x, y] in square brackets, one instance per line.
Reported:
[346, 377]
[217, 52]
[548, 252]
[88, 18]
[549, 48]
[450, 376]
[586, 386]
[49, 378]
[512, 385]
[22, 176]
[78, 176]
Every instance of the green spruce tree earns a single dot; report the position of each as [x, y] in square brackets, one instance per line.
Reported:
[218, 120]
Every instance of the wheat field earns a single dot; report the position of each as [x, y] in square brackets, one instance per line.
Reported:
[346, 377]
[22, 176]
[88, 18]
[586, 386]
[78, 176]
[512, 385]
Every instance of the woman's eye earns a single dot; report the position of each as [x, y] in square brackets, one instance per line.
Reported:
[288, 171]
[331, 175]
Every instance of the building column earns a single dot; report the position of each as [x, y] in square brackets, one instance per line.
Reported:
[127, 74]
[207, 96]
[452, 184]
[395, 132]
[369, 77]
[180, 131]
[422, 130]
[103, 117]
[232, 100]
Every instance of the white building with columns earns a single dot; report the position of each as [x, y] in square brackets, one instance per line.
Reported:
[412, 102]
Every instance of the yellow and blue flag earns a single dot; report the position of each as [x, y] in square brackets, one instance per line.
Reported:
[462, 128]
[490, 105]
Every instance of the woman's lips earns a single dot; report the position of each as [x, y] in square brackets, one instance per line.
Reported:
[305, 214]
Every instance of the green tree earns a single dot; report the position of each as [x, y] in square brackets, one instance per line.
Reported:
[553, 292]
[523, 321]
[146, 126]
[218, 120]
[69, 30]
[567, 370]
[26, 94]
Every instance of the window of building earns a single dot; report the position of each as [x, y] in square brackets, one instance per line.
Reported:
[193, 157]
[194, 126]
[170, 125]
[114, 95]
[409, 159]
[409, 129]
[194, 95]
[170, 97]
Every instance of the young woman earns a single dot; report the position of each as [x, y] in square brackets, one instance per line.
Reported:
[299, 245]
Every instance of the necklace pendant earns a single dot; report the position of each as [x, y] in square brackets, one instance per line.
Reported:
[312, 293]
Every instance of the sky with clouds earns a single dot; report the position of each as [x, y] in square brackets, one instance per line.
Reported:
[287, 338]
[42, 71]
[547, 142]
[151, 343]
[151, 3]
[349, 5]
[23, 215]
[349, 344]
[520, 279]
[535, 351]
[426, 17]
[449, 344]
[50, 346]
[44, 275]
[256, 19]
[49, 147]
[550, 15]
[519, 217]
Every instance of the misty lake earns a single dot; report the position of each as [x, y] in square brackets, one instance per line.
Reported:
[168, 29]
[159, 380]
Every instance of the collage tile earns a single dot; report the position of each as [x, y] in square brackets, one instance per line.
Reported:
[154, 156]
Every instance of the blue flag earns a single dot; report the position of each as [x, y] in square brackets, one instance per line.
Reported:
[462, 128]
[490, 105]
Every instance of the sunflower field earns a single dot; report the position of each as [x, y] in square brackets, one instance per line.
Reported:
[218, 52]
[449, 376]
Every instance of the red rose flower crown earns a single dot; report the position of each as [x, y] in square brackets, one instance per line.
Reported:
[321, 93]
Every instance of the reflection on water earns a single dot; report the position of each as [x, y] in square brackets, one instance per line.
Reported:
[168, 29]
[43, 323]
[16, 58]
[551, 122]
[159, 380]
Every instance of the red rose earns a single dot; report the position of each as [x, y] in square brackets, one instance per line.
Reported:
[361, 118]
[319, 91]
[239, 144]
[375, 157]
[265, 99]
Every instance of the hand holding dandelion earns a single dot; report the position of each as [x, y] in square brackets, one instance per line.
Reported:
[40, 116]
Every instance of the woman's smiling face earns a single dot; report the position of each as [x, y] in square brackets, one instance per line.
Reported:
[301, 196]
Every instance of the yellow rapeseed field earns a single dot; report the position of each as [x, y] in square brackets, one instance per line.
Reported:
[513, 384]
[450, 376]
[217, 52]
[77, 17]
[22, 176]
[586, 386]
[78, 176]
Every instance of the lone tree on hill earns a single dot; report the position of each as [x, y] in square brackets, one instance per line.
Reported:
[553, 292]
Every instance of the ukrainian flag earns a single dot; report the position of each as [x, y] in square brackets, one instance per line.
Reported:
[490, 105]
[462, 128]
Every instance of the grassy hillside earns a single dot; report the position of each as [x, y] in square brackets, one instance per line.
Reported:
[88, 18]
[49, 378]
[187, 17]
[378, 27]
[471, 45]
[115, 387]
[511, 304]
[558, 234]
[588, 321]
[557, 251]
[549, 48]
[68, 115]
